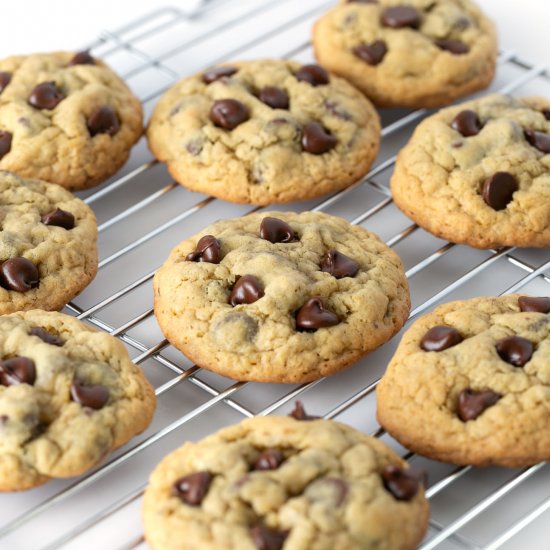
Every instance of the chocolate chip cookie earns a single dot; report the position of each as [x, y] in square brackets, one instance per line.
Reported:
[68, 396]
[470, 383]
[48, 249]
[265, 132]
[275, 482]
[479, 173]
[280, 297]
[414, 53]
[65, 118]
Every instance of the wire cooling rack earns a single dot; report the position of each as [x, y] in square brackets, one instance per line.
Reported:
[143, 213]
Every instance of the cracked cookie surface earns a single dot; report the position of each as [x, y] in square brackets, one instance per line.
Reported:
[414, 53]
[470, 383]
[479, 173]
[68, 118]
[68, 396]
[315, 294]
[299, 485]
[284, 135]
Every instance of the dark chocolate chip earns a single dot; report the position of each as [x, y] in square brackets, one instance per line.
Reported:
[403, 485]
[82, 58]
[228, 113]
[339, 265]
[316, 140]
[5, 79]
[270, 459]
[59, 218]
[207, 250]
[19, 274]
[216, 73]
[94, 396]
[46, 336]
[466, 123]
[531, 303]
[103, 120]
[46, 96]
[5, 143]
[546, 114]
[246, 290]
[398, 17]
[515, 350]
[313, 74]
[440, 338]
[192, 488]
[299, 413]
[275, 230]
[17, 370]
[538, 140]
[472, 403]
[499, 189]
[277, 98]
[453, 46]
[313, 315]
[266, 538]
[371, 53]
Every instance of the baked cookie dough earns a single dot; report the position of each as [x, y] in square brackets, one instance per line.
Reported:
[470, 383]
[411, 53]
[479, 173]
[265, 132]
[279, 483]
[68, 396]
[280, 296]
[65, 118]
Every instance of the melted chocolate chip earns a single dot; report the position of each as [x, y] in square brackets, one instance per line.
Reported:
[82, 58]
[59, 218]
[5, 79]
[339, 265]
[192, 488]
[299, 413]
[276, 98]
[46, 336]
[453, 46]
[403, 485]
[270, 459]
[538, 140]
[440, 338]
[313, 74]
[316, 140]
[207, 250]
[399, 17]
[266, 538]
[19, 274]
[5, 143]
[17, 370]
[247, 290]
[546, 114]
[313, 315]
[472, 403]
[46, 96]
[94, 396]
[466, 123]
[530, 303]
[103, 120]
[515, 350]
[228, 113]
[371, 53]
[275, 230]
[499, 189]
[211, 75]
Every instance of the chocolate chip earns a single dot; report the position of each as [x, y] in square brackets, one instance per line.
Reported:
[440, 338]
[538, 140]
[103, 120]
[275, 230]
[266, 538]
[498, 190]
[207, 250]
[5, 79]
[472, 403]
[4, 419]
[299, 413]
[276, 98]
[82, 58]
[247, 290]
[339, 265]
[17, 370]
[335, 109]
[194, 147]
[94, 396]
[216, 73]
[18, 274]
[546, 114]
[371, 53]
[46, 336]
[453, 46]
[192, 488]
[46, 96]
[398, 17]
[5, 143]
[515, 350]
[466, 123]
[316, 140]
[313, 74]
[313, 315]
[403, 485]
[228, 113]
[59, 218]
[530, 303]
[270, 459]
[331, 490]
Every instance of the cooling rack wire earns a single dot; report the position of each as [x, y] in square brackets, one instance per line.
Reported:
[471, 508]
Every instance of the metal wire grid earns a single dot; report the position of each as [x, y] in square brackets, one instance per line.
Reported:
[126, 39]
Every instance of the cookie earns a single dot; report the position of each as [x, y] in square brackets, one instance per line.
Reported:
[479, 173]
[69, 395]
[470, 383]
[65, 118]
[48, 251]
[265, 132]
[275, 482]
[416, 53]
[280, 297]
